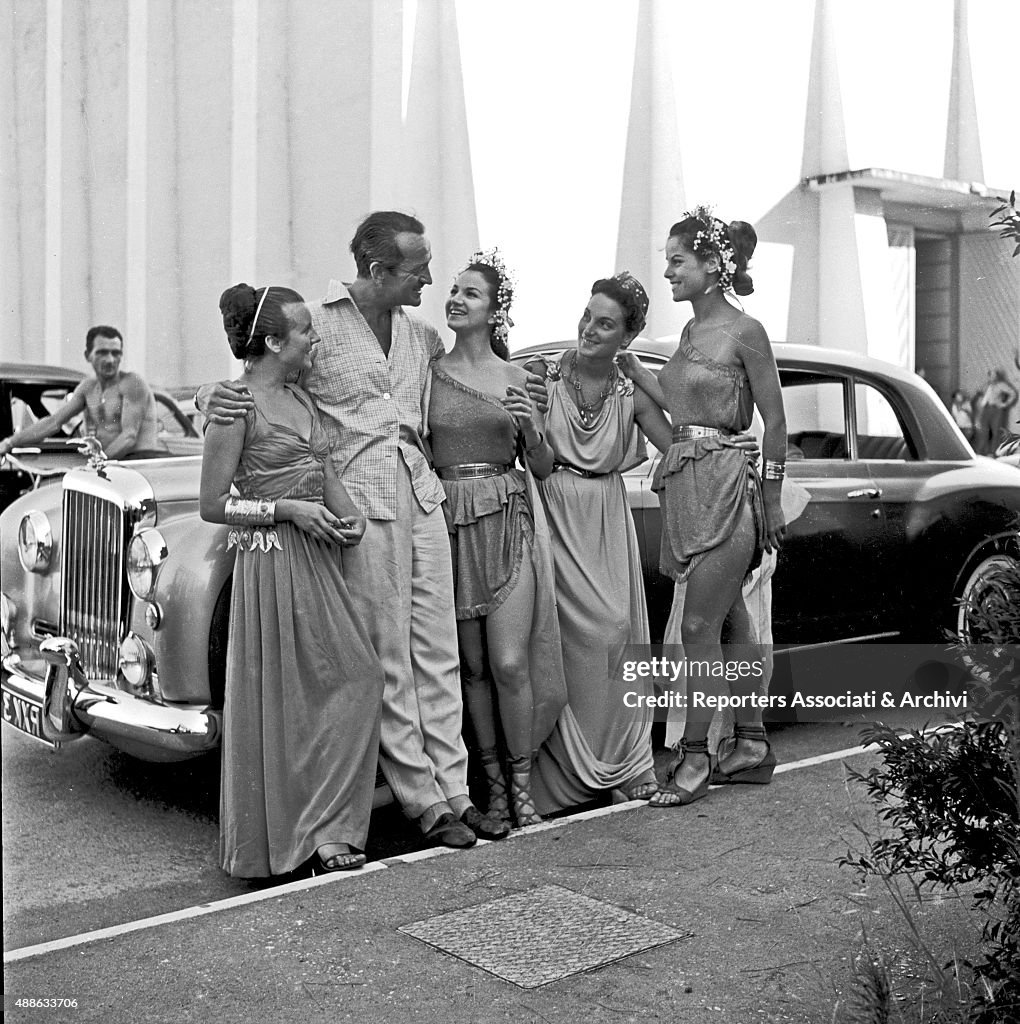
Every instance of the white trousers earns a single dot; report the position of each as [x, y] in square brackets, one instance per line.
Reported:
[401, 577]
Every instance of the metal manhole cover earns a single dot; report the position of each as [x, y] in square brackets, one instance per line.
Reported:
[542, 935]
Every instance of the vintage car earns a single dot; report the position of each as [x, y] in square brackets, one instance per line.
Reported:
[30, 391]
[116, 595]
[905, 526]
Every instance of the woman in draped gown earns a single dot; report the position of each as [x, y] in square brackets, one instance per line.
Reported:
[594, 424]
[479, 419]
[304, 686]
[719, 516]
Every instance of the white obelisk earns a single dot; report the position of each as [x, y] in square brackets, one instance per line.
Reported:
[437, 184]
[653, 188]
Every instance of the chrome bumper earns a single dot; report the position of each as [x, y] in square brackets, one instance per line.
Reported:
[72, 707]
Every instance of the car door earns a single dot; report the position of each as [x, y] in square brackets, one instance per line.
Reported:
[902, 473]
[830, 583]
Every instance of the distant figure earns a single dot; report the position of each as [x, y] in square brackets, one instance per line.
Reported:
[962, 409]
[119, 407]
[997, 398]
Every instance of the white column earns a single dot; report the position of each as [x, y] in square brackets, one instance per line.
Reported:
[244, 142]
[386, 69]
[963, 138]
[653, 187]
[437, 181]
[136, 276]
[824, 219]
[54, 212]
[825, 148]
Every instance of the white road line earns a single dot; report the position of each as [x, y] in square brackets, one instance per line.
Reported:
[276, 892]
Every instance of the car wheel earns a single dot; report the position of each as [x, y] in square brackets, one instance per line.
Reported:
[992, 582]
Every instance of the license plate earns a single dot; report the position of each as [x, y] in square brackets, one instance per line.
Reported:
[26, 716]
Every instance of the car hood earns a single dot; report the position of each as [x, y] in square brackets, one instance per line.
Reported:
[168, 480]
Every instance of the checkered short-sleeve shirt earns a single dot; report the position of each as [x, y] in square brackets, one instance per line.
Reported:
[370, 403]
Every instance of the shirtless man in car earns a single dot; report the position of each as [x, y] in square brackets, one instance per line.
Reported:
[119, 407]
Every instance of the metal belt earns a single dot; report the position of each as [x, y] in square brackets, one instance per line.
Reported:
[472, 470]
[575, 469]
[689, 431]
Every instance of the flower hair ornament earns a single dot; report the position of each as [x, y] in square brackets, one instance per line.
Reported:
[631, 284]
[501, 322]
[713, 239]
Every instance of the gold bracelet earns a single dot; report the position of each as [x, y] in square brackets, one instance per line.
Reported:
[249, 511]
[774, 470]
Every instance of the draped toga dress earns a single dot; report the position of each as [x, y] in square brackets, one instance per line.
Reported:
[495, 525]
[304, 686]
[599, 743]
[705, 485]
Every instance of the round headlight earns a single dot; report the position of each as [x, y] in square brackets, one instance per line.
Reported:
[135, 661]
[35, 542]
[146, 553]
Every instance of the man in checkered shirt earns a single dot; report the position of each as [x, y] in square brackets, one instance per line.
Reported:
[368, 382]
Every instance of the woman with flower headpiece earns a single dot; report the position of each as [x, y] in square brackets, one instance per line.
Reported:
[304, 685]
[594, 424]
[719, 516]
[480, 420]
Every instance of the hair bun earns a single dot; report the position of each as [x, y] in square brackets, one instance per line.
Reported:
[744, 239]
[237, 305]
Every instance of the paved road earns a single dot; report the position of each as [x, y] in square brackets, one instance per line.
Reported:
[93, 838]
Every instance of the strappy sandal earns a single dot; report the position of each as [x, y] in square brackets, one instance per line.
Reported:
[639, 789]
[759, 774]
[520, 792]
[672, 795]
[498, 808]
[350, 860]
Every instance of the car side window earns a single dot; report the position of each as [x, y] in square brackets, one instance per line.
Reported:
[815, 417]
[880, 435]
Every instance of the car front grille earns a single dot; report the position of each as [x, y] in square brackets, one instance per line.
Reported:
[94, 601]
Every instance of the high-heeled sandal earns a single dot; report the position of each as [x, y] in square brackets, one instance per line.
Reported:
[759, 774]
[672, 795]
[525, 812]
[498, 806]
[349, 860]
[639, 789]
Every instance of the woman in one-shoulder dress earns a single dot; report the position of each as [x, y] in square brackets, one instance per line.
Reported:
[719, 516]
[479, 418]
[304, 686]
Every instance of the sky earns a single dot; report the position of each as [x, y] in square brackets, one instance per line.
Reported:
[547, 88]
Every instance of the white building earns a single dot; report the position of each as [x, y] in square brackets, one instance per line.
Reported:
[160, 150]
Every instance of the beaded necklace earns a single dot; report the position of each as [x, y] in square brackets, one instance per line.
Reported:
[589, 410]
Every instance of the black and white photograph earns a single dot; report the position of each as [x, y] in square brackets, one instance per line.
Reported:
[510, 511]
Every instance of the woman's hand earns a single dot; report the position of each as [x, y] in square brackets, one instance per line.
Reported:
[518, 404]
[629, 364]
[352, 529]
[775, 523]
[537, 391]
[225, 401]
[747, 443]
[316, 520]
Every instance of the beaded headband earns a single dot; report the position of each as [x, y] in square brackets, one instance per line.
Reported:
[501, 322]
[631, 284]
[258, 309]
[713, 239]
